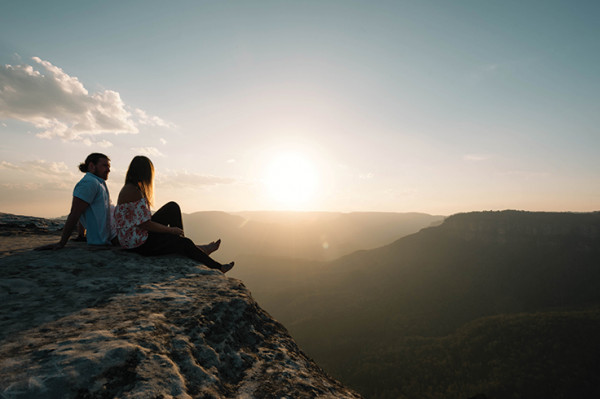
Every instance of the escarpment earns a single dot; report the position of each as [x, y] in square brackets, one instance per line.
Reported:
[504, 226]
[85, 323]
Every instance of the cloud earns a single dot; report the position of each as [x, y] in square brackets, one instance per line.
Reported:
[147, 120]
[21, 186]
[149, 151]
[38, 168]
[45, 167]
[175, 179]
[61, 107]
[366, 176]
[524, 174]
[405, 192]
[476, 157]
[101, 143]
[482, 72]
[8, 165]
[163, 141]
[38, 174]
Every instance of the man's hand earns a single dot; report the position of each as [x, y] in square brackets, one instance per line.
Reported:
[78, 206]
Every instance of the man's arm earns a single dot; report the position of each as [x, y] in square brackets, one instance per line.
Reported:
[78, 206]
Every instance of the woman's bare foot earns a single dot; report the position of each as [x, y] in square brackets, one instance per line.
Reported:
[210, 248]
[227, 267]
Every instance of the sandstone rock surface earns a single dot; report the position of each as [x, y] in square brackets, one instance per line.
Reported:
[105, 323]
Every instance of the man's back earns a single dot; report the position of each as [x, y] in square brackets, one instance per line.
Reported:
[96, 218]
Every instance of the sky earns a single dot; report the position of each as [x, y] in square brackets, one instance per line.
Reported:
[389, 106]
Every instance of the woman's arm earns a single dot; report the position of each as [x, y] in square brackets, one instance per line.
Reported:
[160, 228]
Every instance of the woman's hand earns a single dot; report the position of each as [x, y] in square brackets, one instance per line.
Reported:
[177, 231]
[156, 227]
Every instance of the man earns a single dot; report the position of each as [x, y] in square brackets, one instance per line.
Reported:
[91, 205]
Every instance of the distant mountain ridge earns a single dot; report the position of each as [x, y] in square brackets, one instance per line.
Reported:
[505, 225]
[305, 235]
[528, 258]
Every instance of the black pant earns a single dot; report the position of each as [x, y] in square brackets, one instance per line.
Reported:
[163, 243]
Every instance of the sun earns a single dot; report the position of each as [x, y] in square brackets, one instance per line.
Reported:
[291, 180]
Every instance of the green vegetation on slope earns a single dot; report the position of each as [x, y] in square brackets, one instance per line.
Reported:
[537, 355]
[404, 307]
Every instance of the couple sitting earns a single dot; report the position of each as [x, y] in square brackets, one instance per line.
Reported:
[134, 226]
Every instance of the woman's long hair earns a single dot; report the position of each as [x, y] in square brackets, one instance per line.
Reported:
[141, 174]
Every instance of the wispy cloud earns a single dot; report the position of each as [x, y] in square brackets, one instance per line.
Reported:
[178, 179]
[524, 174]
[476, 157]
[149, 151]
[21, 186]
[404, 192]
[38, 174]
[61, 107]
[483, 72]
[148, 120]
[41, 174]
[101, 143]
[39, 167]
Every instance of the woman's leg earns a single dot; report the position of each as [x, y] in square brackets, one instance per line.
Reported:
[169, 215]
[210, 248]
[163, 244]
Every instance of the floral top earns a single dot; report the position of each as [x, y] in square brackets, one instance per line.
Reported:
[128, 217]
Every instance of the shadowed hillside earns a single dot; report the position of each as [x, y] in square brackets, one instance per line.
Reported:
[527, 355]
[432, 283]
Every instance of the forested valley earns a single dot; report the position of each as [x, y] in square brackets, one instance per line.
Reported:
[503, 304]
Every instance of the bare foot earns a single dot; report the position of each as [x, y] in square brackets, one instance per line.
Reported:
[227, 267]
[210, 248]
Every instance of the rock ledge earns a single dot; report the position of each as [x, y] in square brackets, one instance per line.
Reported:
[85, 323]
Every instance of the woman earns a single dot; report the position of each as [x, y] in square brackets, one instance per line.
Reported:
[158, 234]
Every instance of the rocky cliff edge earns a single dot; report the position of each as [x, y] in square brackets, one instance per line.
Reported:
[103, 323]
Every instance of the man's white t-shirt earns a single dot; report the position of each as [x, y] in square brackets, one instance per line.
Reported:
[97, 218]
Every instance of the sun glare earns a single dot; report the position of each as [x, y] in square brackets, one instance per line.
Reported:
[291, 180]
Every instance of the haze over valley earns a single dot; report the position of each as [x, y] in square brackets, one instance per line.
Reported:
[303, 235]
